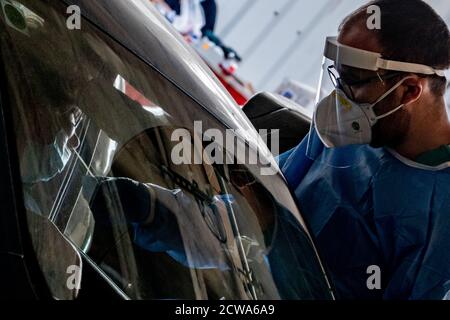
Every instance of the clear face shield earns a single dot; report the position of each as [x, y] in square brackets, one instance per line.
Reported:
[340, 123]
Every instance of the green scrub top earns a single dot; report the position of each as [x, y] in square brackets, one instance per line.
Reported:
[435, 157]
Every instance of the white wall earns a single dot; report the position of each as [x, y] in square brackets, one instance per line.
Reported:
[284, 38]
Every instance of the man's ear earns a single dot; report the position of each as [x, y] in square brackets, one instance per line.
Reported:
[413, 88]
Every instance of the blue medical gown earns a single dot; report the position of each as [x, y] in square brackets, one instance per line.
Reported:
[379, 211]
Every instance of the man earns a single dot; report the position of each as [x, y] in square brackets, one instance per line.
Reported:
[43, 90]
[46, 122]
[372, 177]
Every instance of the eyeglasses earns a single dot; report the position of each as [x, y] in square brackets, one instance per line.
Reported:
[346, 86]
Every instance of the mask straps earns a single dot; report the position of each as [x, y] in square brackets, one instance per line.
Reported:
[390, 112]
[387, 94]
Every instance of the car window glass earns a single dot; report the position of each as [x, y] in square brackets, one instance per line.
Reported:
[95, 130]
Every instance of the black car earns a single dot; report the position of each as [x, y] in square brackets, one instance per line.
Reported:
[92, 202]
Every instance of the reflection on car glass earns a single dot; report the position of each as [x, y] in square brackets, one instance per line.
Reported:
[153, 228]
[123, 86]
[20, 18]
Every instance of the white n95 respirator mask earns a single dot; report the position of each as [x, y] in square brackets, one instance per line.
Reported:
[340, 121]
[40, 163]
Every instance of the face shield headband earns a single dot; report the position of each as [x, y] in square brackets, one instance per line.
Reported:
[372, 61]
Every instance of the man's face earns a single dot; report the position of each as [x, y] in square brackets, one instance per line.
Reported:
[70, 120]
[392, 130]
[48, 146]
[47, 120]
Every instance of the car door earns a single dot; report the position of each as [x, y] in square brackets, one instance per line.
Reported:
[120, 190]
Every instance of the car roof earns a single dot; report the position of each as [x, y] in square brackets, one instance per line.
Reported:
[138, 26]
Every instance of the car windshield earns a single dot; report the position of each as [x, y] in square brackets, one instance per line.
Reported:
[96, 130]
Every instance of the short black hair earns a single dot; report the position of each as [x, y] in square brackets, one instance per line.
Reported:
[411, 31]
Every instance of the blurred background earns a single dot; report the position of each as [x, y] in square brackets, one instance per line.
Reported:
[277, 45]
[284, 38]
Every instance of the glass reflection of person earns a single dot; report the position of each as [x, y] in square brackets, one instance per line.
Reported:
[42, 156]
[47, 79]
[44, 83]
[155, 216]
